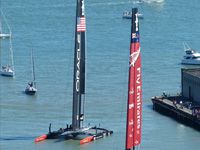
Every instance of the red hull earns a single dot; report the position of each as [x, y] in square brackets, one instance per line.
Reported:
[41, 138]
[87, 140]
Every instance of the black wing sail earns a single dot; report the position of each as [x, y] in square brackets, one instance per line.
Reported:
[76, 130]
[79, 65]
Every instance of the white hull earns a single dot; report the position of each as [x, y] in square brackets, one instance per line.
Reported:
[7, 72]
[153, 1]
[128, 15]
[191, 57]
[191, 62]
[5, 35]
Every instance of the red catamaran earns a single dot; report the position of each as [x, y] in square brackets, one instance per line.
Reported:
[77, 130]
[134, 105]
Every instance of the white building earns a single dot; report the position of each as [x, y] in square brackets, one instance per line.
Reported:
[190, 82]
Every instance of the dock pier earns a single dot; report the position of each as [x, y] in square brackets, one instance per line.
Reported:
[179, 108]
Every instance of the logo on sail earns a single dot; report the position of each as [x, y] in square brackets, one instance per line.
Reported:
[134, 56]
[78, 58]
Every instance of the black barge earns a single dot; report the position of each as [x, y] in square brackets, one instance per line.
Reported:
[179, 108]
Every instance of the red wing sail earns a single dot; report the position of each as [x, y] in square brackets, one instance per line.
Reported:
[134, 107]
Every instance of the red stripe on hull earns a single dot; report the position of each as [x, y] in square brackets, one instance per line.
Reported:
[87, 140]
[41, 138]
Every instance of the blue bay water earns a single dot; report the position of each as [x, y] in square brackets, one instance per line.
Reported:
[47, 27]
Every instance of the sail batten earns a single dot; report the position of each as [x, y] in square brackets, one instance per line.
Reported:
[134, 105]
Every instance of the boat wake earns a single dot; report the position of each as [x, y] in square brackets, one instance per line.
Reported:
[108, 3]
[17, 138]
[153, 1]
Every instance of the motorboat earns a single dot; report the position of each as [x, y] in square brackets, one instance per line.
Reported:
[191, 56]
[128, 15]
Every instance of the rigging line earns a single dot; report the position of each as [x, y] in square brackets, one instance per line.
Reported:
[124, 96]
[83, 110]
[65, 89]
[11, 55]
[124, 65]
[0, 53]
[8, 26]
[0, 33]
[0, 24]
[69, 73]
[85, 63]
[33, 67]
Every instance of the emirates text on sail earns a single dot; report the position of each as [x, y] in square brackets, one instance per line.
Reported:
[138, 99]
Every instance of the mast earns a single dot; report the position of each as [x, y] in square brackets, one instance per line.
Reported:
[1, 18]
[134, 105]
[33, 67]
[0, 23]
[11, 61]
[79, 66]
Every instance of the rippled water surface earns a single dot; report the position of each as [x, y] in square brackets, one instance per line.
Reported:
[47, 26]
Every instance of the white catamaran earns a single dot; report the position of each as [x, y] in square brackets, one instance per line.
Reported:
[6, 69]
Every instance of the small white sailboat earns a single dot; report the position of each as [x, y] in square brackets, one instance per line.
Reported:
[8, 69]
[191, 57]
[31, 87]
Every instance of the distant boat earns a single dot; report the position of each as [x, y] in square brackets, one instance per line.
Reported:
[128, 15]
[3, 35]
[8, 69]
[77, 130]
[191, 57]
[151, 1]
[134, 104]
[139, 2]
[31, 87]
